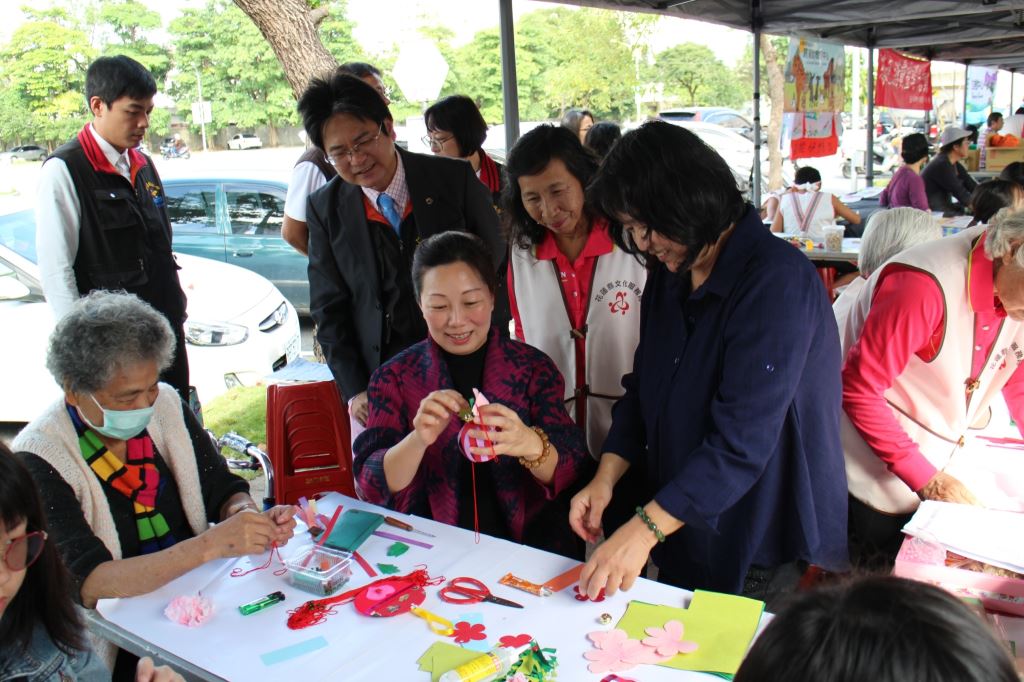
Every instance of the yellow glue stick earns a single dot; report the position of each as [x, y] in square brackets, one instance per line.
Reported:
[494, 663]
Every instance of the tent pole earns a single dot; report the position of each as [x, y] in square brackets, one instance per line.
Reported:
[755, 26]
[1013, 77]
[963, 118]
[869, 152]
[509, 86]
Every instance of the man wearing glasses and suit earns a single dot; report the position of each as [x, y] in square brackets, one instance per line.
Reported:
[364, 227]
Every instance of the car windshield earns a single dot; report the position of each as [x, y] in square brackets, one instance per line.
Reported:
[18, 233]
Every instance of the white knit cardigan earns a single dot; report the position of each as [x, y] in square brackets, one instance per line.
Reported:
[53, 438]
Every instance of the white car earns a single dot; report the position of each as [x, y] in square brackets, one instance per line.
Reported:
[240, 327]
[245, 141]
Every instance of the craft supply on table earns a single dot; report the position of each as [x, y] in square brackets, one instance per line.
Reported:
[397, 523]
[190, 611]
[440, 657]
[525, 585]
[293, 651]
[490, 666]
[563, 580]
[398, 538]
[352, 529]
[471, 591]
[389, 596]
[605, 619]
[261, 603]
[320, 570]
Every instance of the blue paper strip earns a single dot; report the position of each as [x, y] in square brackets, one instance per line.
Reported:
[294, 651]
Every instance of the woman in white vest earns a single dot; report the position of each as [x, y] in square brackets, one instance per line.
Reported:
[807, 211]
[933, 338]
[129, 479]
[573, 293]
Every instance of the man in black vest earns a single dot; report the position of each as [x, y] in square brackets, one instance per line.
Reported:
[100, 217]
[364, 226]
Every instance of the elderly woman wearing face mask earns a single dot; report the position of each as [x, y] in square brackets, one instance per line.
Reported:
[806, 210]
[129, 478]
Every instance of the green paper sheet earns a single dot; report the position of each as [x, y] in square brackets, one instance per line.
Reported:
[388, 569]
[398, 549]
[722, 625]
[441, 657]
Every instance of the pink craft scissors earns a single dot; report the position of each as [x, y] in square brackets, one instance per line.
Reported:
[471, 591]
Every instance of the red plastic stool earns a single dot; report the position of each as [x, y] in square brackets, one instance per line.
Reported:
[308, 441]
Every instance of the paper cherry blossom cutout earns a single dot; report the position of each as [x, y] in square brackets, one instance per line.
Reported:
[465, 632]
[190, 611]
[616, 652]
[518, 677]
[668, 641]
[515, 641]
[581, 596]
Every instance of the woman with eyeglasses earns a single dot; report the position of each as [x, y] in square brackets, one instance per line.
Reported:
[456, 129]
[42, 638]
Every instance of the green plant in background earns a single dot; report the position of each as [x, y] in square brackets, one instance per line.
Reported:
[243, 410]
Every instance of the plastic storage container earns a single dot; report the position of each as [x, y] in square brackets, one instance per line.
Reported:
[320, 570]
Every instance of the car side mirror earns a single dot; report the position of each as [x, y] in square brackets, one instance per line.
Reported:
[11, 289]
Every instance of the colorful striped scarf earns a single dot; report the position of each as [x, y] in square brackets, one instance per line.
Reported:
[138, 479]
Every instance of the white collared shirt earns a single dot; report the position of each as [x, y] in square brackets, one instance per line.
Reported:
[58, 221]
[397, 190]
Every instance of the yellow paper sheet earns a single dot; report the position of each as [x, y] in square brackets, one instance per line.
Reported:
[441, 657]
[722, 625]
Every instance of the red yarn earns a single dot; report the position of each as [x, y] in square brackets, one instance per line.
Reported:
[316, 611]
[238, 572]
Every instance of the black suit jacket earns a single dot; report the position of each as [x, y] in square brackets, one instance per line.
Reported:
[344, 285]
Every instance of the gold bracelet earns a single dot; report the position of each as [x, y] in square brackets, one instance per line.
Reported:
[544, 453]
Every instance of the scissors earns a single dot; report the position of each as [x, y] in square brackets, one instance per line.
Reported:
[471, 591]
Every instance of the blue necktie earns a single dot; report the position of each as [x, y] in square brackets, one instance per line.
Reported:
[386, 204]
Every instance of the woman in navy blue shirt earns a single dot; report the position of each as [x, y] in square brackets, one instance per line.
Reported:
[733, 404]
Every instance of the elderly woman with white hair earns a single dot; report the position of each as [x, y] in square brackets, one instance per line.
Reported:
[888, 232]
[129, 478]
[936, 337]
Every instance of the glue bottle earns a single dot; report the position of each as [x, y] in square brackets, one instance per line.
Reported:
[491, 665]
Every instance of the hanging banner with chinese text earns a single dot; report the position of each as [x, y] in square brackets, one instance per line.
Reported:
[815, 76]
[903, 82]
[811, 134]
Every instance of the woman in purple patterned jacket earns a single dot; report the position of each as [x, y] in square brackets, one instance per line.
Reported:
[409, 458]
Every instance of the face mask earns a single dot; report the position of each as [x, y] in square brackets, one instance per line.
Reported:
[120, 424]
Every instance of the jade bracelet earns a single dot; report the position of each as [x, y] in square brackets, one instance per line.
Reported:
[650, 524]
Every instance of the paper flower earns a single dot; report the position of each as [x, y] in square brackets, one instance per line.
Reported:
[518, 677]
[190, 611]
[466, 632]
[616, 651]
[515, 641]
[615, 678]
[583, 597]
[668, 641]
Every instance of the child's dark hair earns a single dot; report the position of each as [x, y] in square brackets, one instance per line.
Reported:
[882, 629]
[44, 598]
[453, 247]
[806, 174]
[111, 78]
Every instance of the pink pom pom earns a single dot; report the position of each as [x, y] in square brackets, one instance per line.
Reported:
[189, 611]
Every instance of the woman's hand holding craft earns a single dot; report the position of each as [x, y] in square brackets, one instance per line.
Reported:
[434, 414]
[507, 433]
[248, 532]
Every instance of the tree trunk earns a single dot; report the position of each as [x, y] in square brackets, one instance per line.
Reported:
[773, 70]
[290, 28]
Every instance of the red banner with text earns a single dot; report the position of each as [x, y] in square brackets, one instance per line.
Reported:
[903, 82]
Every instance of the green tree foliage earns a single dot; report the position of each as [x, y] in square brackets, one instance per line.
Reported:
[43, 68]
[240, 74]
[125, 26]
[692, 73]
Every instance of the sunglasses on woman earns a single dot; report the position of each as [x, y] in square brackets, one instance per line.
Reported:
[20, 553]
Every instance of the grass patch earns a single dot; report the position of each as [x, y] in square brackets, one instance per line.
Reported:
[243, 410]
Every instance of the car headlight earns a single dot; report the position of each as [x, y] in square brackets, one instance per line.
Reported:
[275, 319]
[214, 334]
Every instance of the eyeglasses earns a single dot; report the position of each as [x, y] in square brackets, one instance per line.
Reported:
[22, 552]
[434, 142]
[361, 147]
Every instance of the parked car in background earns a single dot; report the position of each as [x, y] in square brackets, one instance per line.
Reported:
[727, 118]
[238, 220]
[737, 151]
[26, 152]
[240, 328]
[245, 141]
